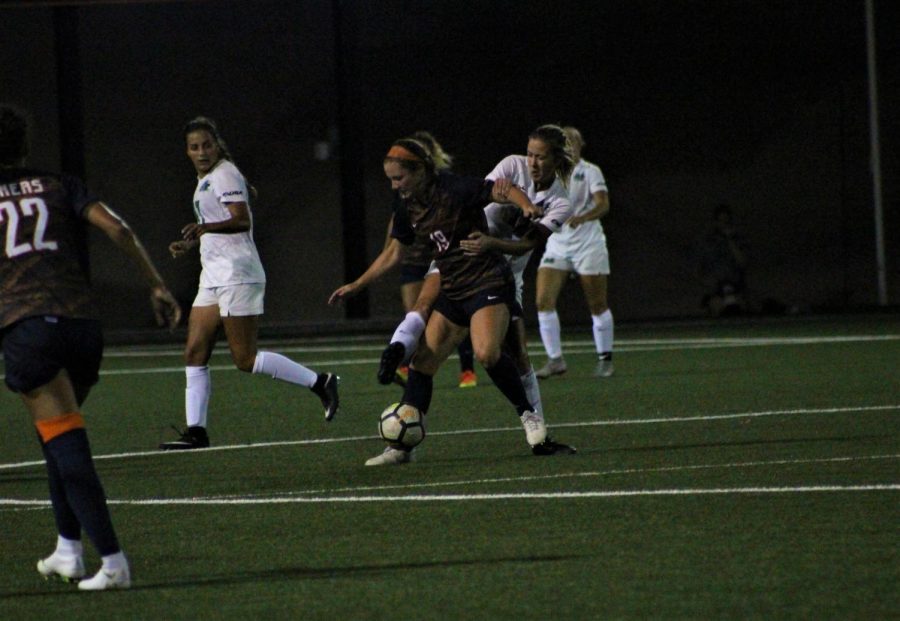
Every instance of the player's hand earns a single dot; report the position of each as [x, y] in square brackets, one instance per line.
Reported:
[165, 307]
[477, 243]
[341, 293]
[532, 211]
[178, 248]
[575, 221]
[192, 231]
[502, 188]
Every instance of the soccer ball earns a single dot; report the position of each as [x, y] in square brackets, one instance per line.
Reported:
[402, 424]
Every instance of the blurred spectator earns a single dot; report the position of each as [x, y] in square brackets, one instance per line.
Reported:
[722, 265]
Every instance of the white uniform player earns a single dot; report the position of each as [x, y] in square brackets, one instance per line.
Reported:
[579, 247]
[232, 287]
[554, 201]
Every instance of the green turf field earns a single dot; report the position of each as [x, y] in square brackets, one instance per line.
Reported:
[731, 471]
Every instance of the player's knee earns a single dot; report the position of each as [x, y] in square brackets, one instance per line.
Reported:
[244, 361]
[487, 356]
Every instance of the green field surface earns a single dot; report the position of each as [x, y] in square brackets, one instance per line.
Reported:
[733, 470]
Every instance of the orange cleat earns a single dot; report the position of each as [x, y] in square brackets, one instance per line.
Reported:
[468, 379]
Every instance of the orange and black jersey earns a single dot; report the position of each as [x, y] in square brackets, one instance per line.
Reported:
[44, 262]
[419, 253]
[452, 209]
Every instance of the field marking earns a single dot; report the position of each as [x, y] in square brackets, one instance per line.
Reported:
[455, 432]
[570, 475]
[280, 500]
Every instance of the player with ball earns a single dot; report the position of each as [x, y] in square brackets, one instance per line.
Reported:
[477, 293]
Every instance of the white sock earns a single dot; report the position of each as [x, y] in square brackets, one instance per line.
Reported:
[68, 547]
[409, 331]
[283, 368]
[603, 332]
[196, 395]
[532, 391]
[115, 562]
[550, 333]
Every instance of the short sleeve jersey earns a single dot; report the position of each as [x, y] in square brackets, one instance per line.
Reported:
[44, 265]
[585, 181]
[554, 201]
[507, 221]
[227, 258]
[453, 208]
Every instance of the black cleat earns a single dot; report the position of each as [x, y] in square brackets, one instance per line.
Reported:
[327, 389]
[549, 447]
[391, 358]
[191, 438]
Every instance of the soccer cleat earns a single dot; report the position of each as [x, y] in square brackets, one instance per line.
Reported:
[191, 438]
[390, 457]
[107, 579]
[604, 368]
[554, 366]
[391, 358]
[535, 430]
[66, 568]
[549, 447]
[468, 379]
[329, 395]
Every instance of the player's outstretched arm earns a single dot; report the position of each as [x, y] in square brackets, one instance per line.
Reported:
[388, 258]
[166, 309]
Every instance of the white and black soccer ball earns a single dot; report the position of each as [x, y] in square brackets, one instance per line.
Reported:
[402, 424]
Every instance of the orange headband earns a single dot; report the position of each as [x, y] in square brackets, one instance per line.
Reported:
[402, 153]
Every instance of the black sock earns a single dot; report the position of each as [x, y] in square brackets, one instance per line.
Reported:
[607, 355]
[67, 524]
[466, 355]
[77, 477]
[506, 377]
[418, 390]
[319, 386]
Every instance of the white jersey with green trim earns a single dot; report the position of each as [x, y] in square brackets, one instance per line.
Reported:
[226, 258]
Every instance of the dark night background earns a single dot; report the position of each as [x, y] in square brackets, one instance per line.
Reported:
[684, 104]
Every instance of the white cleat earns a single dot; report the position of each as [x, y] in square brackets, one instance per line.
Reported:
[554, 366]
[390, 457]
[66, 568]
[604, 368]
[107, 579]
[535, 429]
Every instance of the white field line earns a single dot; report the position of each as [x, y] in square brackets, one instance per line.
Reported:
[801, 489]
[621, 345]
[517, 428]
[569, 475]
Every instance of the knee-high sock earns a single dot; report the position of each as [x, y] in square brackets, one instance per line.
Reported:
[548, 322]
[408, 332]
[66, 441]
[67, 524]
[603, 332]
[418, 390]
[532, 390]
[196, 395]
[466, 355]
[506, 377]
[283, 368]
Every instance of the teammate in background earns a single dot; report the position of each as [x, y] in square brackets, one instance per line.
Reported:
[232, 286]
[579, 247]
[52, 343]
[476, 293]
[414, 265]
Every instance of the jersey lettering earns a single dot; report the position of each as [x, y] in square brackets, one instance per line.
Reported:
[27, 207]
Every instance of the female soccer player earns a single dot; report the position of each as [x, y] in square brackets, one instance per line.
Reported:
[579, 247]
[232, 286]
[476, 295]
[52, 342]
